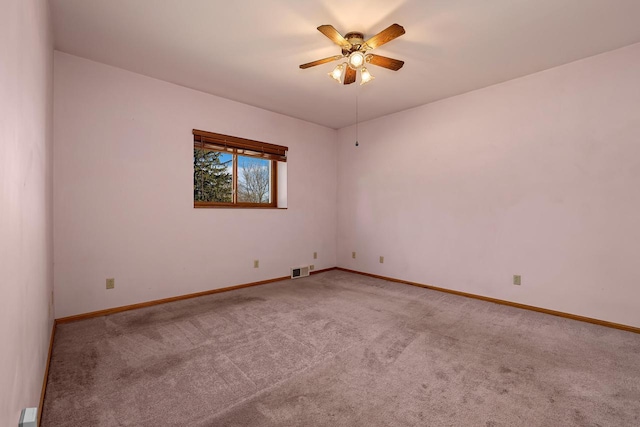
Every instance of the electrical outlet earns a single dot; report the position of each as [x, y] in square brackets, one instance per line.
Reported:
[315, 255]
[517, 279]
[381, 260]
[353, 255]
[312, 267]
[256, 263]
[111, 283]
[28, 417]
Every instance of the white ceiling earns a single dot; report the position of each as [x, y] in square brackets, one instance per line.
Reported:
[249, 51]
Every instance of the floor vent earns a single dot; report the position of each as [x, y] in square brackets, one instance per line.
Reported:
[299, 272]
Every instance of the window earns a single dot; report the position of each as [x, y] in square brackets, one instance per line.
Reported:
[235, 172]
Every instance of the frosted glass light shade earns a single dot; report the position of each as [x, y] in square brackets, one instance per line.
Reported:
[365, 76]
[356, 59]
[336, 74]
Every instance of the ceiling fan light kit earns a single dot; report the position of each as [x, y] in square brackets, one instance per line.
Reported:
[355, 51]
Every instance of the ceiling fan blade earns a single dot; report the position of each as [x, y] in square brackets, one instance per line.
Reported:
[350, 76]
[320, 61]
[384, 36]
[383, 61]
[334, 36]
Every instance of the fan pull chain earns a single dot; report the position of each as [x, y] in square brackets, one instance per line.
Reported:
[357, 144]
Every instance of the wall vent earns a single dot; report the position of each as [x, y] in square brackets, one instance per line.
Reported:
[298, 272]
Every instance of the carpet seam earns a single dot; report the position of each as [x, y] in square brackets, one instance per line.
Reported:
[279, 383]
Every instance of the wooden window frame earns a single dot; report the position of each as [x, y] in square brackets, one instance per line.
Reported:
[242, 147]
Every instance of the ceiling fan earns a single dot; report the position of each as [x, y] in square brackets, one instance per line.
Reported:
[355, 50]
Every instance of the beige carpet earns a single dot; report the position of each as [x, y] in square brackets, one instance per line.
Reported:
[339, 349]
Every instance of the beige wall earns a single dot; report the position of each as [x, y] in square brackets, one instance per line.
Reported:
[123, 198]
[536, 176]
[26, 67]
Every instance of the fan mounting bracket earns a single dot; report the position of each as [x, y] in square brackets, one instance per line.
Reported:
[355, 39]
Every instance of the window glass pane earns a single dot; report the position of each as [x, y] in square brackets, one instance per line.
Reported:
[212, 176]
[254, 180]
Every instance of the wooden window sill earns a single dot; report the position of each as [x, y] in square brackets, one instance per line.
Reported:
[199, 206]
